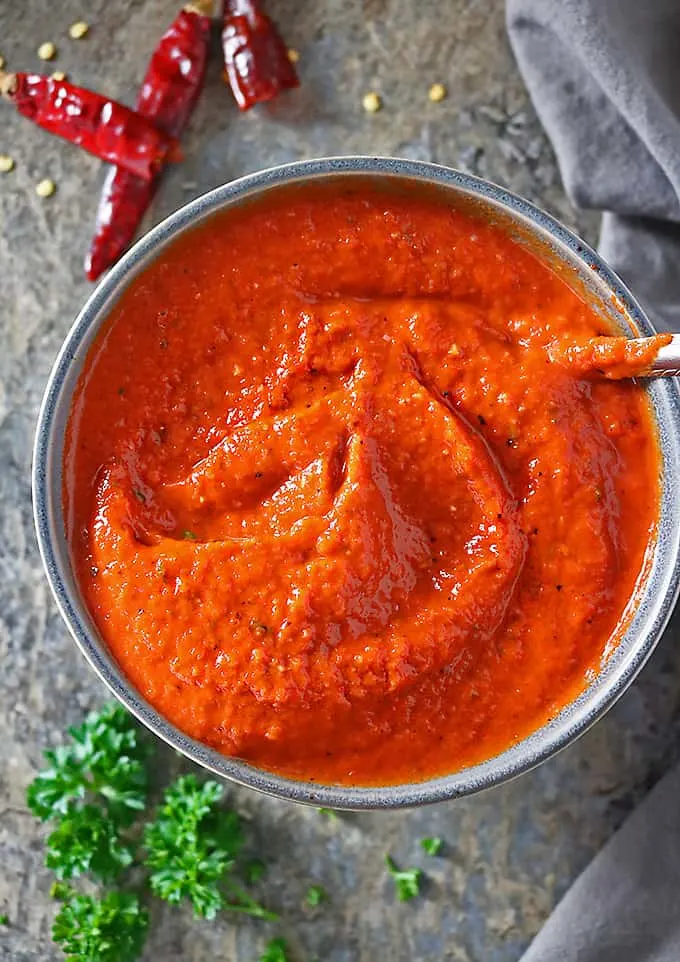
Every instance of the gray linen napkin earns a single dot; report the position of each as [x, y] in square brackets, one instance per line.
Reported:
[604, 76]
[625, 907]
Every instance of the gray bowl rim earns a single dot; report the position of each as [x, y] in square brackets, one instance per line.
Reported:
[654, 605]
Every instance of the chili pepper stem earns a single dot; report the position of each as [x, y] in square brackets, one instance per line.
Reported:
[204, 8]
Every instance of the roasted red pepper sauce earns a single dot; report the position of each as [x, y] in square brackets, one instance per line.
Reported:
[331, 505]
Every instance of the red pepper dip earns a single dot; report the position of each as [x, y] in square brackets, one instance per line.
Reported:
[331, 504]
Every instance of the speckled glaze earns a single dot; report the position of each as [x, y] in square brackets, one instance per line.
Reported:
[578, 264]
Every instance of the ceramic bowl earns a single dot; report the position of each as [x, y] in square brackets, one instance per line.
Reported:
[581, 268]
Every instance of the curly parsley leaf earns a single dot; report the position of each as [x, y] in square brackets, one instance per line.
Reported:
[105, 758]
[238, 900]
[431, 846]
[316, 894]
[275, 951]
[4, 919]
[191, 847]
[112, 929]
[51, 792]
[406, 881]
[87, 840]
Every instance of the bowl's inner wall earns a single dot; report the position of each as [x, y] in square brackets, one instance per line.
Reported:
[574, 262]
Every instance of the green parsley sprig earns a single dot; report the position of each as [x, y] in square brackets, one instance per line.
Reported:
[110, 929]
[105, 758]
[94, 789]
[316, 894]
[406, 881]
[276, 951]
[192, 845]
[87, 839]
[431, 846]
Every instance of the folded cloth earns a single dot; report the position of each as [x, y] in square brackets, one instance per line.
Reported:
[604, 76]
[625, 907]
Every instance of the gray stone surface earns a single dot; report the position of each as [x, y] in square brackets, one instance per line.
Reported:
[509, 853]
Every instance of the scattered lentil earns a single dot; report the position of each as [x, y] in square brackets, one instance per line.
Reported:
[47, 51]
[45, 188]
[437, 93]
[6, 164]
[372, 102]
[59, 76]
[293, 55]
[78, 30]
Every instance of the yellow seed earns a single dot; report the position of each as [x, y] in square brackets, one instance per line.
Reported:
[6, 164]
[371, 102]
[78, 30]
[2, 62]
[293, 55]
[59, 76]
[47, 51]
[45, 188]
[437, 93]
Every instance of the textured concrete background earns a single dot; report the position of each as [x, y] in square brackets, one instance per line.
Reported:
[510, 853]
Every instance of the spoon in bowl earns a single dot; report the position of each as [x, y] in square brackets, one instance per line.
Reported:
[619, 357]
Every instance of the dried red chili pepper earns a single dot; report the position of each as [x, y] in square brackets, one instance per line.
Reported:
[256, 59]
[173, 82]
[96, 123]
